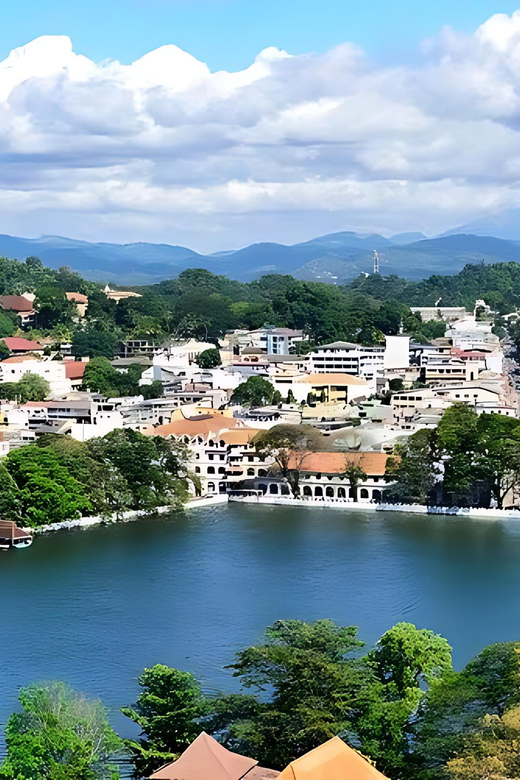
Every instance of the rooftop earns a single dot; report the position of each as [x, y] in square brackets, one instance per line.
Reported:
[17, 344]
[372, 463]
[207, 759]
[332, 379]
[16, 303]
[334, 760]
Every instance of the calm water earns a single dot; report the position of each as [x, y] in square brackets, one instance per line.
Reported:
[94, 607]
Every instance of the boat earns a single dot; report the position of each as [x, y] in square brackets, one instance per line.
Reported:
[12, 536]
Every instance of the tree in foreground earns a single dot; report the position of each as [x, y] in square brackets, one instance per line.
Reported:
[354, 474]
[59, 735]
[168, 712]
[303, 684]
[289, 446]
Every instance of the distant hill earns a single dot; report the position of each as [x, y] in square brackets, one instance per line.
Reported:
[336, 258]
[505, 225]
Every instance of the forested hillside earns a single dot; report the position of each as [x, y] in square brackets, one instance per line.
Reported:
[204, 305]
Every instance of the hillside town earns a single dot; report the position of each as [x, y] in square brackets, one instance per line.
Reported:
[363, 402]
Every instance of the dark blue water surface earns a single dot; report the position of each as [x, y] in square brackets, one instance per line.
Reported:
[94, 607]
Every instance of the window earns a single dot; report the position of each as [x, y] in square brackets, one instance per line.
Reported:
[329, 492]
[250, 472]
[363, 493]
[376, 495]
[211, 469]
[341, 493]
[211, 487]
[221, 470]
[307, 491]
[318, 491]
[273, 489]
[197, 469]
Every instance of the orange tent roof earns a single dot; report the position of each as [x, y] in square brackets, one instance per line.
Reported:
[334, 760]
[372, 463]
[206, 759]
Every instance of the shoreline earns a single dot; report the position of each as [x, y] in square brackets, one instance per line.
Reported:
[125, 517]
[219, 499]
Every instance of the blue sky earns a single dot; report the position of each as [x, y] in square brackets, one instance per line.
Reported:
[229, 33]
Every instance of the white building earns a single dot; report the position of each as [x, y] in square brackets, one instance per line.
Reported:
[12, 369]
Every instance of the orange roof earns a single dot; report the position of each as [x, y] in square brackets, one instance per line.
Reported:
[19, 358]
[372, 463]
[333, 379]
[239, 435]
[74, 369]
[77, 297]
[334, 760]
[206, 759]
[200, 426]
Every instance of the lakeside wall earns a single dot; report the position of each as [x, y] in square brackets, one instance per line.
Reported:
[132, 514]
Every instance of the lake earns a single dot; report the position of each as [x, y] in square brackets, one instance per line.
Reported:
[94, 607]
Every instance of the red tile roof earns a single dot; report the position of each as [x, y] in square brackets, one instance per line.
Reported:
[17, 344]
[16, 303]
[74, 369]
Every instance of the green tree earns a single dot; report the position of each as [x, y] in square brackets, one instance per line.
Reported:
[255, 391]
[52, 306]
[154, 468]
[210, 358]
[32, 387]
[289, 446]
[7, 326]
[101, 377]
[94, 342]
[168, 712]
[4, 350]
[48, 493]
[10, 499]
[498, 454]
[154, 390]
[59, 735]
[413, 472]
[354, 474]
[452, 714]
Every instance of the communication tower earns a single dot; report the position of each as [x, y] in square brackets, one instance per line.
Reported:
[376, 262]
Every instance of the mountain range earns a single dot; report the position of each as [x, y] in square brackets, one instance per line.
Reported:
[335, 258]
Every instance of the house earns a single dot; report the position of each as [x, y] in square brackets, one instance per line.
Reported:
[80, 301]
[20, 346]
[207, 759]
[12, 369]
[21, 305]
[120, 295]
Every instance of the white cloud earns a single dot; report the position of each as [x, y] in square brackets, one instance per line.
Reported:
[165, 150]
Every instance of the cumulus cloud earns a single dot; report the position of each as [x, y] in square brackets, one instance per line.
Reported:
[164, 149]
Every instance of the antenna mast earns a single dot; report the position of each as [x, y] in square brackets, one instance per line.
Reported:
[376, 262]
